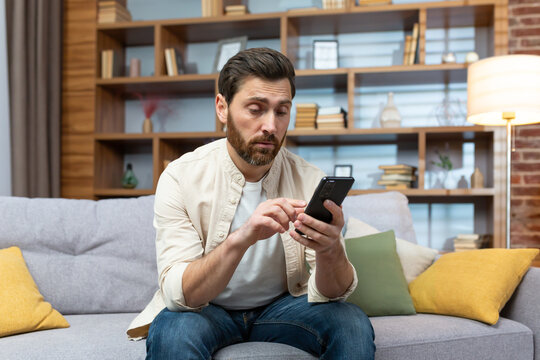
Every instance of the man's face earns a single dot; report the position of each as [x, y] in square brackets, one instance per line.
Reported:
[258, 118]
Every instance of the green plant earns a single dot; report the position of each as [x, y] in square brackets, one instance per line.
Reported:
[445, 162]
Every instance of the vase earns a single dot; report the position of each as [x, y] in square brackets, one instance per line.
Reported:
[129, 180]
[390, 116]
[477, 179]
[147, 126]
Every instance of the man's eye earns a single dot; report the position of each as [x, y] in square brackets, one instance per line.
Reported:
[254, 110]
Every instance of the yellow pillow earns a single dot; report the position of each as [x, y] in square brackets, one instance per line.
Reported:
[22, 308]
[472, 284]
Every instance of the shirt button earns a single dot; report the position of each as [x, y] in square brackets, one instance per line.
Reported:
[237, 178]
[221, 235]
[298, 285]
[232, 201]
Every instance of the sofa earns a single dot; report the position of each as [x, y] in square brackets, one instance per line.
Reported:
[94, 261]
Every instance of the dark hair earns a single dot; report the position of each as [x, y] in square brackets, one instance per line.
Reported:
[263, 63]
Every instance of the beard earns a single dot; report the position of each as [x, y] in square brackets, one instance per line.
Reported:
[248, 150]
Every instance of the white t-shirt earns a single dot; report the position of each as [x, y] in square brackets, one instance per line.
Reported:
[260, 276]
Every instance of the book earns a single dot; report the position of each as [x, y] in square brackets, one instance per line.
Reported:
[414, 42]
[402, 177]
[407, 49]
[396, 167]
[400, 186]
[104, 63]
[169, 62]
[329, 110]
[374, 2]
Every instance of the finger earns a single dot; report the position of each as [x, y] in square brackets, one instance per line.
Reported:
[336, 211]
[311, 233]
[317, 225]
[274, 225]
[296, 203]
[304, 241]
[279, 215]
[288, 208]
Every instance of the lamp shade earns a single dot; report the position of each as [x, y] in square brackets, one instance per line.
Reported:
[509, 83]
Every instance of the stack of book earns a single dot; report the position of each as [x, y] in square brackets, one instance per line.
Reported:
[411, 45]
[332, 117]
[333, 4]
[111, 11]
[236, 10]
[110, 64]
[374, 2]
[464, 242]
[397, 177]
[306, 114]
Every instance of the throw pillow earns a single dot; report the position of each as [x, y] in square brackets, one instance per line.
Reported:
[473, 284]
[382, 288]
[415, 259]
[22, 308]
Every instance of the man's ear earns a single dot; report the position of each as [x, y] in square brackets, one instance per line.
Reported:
[221, 109]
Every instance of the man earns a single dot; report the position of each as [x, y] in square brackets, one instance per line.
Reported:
[231, 267]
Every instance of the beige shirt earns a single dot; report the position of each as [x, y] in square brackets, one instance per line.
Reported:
[195, 203]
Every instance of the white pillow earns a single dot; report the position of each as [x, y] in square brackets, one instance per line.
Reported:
[415, 259]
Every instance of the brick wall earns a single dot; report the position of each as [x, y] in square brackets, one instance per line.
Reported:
[524, 38]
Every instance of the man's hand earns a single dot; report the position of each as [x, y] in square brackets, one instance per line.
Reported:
[322, 237]
[334, 273]
[271, 217]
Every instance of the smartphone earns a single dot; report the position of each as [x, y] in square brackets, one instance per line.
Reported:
[334, 188]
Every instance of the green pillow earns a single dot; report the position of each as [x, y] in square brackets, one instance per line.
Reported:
[382, 289]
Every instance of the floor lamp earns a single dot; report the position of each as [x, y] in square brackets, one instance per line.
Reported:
[504, 91]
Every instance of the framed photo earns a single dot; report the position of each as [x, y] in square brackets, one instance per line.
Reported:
[343, 170]
[325, 54]
[227, 48]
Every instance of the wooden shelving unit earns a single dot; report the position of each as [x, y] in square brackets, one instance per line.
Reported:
[111, 142]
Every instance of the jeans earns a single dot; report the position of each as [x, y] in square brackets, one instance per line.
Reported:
[333, 330]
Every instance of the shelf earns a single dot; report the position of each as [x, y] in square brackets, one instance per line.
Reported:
[122, 192]
[433, 192]
[258, 26]
[411, 75]
[130, 33]
[162, 85]
[311, 78]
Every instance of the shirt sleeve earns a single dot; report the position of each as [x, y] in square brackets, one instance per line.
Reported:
[177, 242]
[313, 293]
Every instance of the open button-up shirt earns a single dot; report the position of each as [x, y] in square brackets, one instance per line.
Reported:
[195, 203]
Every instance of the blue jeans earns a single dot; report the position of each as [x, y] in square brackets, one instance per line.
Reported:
[333, 330]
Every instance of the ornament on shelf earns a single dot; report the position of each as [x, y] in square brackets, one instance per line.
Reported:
[451, 112]
[449, 58]
[149, 105]
[462, 183]
[135, 67]
[477, 179]
[129, 180]
[390, 116]
[471, 57]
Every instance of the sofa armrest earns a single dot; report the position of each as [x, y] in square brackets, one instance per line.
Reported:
[524, 306]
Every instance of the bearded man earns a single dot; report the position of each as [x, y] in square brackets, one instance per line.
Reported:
[231, 267]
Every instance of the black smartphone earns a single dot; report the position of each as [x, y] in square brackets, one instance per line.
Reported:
[334, 188]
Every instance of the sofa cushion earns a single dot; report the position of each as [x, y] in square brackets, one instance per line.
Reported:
[90, 337]
[382, 288]
[427, 337]
[384, 211]
[473, 284]
[416, 337]
[22, 308]
[85, 256]
[415, 259]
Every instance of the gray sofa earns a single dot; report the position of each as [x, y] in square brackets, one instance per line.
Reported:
[94, 261]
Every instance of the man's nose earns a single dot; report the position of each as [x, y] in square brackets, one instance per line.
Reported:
[269, 123]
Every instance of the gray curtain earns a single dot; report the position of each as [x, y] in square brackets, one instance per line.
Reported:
[34, 37]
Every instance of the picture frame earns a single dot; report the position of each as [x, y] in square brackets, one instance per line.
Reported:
[343, 170]
[227, 48]
[325, 54]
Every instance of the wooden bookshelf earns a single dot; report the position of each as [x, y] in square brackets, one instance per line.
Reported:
[94, 108]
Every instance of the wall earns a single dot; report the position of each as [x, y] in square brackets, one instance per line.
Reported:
[524, 38]
[5, 153]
